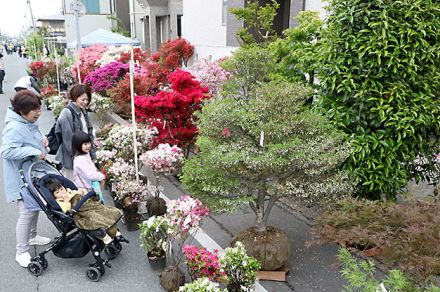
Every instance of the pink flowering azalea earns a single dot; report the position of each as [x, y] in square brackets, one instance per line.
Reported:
[210, 74]
[203, 263]
[185, 214]
[163, 158]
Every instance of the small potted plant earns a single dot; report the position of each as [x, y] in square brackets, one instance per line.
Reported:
[202, 285]
[154, 239]
[184, 217]
[202, 263]
[240, 268]
[162, 160]
[130, 193]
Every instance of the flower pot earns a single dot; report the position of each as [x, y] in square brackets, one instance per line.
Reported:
[157, 263]
[270, 247]
[132, 220]
[156, 206]
[172, 278]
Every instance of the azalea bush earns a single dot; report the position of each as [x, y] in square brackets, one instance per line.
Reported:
[100, 105]
[210, 74]
[112, 54]
[184, 214]
[162, 159]
[120, 138]
[173, 53]
[38, 68]
[202, 285]
[129, 191]
[121, 95]
[154, 236]
[184, 217]
[102, 155]
[120, 169]
[105, 77]
[87, 60]
[240, 269]
[171, 110]
[202, 263]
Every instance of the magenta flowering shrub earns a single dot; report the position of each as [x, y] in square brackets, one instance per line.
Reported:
[203, 263]
[210, 74]
[185, 214]
[106, 77]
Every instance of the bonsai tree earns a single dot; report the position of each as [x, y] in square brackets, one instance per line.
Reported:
[260, 146]
[380, 84]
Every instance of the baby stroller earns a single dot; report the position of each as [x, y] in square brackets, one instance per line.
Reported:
[73, 241]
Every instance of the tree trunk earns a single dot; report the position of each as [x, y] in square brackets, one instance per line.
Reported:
[260, 223]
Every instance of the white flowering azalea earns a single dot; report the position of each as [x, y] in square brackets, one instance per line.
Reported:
[112, 54]
[202, 285]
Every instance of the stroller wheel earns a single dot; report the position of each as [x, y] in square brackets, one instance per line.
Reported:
[43, 262]
[118, 246]
[111, 251]
[93, 274]
[101, 269]
[35, 268]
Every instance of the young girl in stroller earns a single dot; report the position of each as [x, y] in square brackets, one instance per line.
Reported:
[92, 215]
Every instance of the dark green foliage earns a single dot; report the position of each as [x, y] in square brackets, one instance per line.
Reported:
[297, 52]
[403, 236]
[380, 84]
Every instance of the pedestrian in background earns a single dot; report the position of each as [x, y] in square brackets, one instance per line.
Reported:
[74, 117]
[28, 83]
[2, 72]
[21, 139]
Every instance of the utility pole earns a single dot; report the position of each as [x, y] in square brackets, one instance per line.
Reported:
[32, 15]
[75, 8]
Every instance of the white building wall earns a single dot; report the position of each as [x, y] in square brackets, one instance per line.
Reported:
[87, 24]
[202, 27]
[317, 5]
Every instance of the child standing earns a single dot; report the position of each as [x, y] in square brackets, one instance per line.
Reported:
[85, 174]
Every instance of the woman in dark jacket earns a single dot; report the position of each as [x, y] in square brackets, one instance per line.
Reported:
[74, 118]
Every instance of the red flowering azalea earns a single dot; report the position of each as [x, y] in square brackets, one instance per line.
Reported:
[171, 110]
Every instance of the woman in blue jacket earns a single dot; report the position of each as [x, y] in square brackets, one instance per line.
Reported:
[22, 139]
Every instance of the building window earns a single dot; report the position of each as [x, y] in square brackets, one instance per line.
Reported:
[179, 25]
[92, 6]
[224, 12]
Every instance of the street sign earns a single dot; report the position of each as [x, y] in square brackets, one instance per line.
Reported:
[81, 8]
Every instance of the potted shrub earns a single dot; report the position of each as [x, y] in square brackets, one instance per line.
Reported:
[130, 193]
[240, 268]
[162, 160]
[154, 236]
[184, 217]
[202, 263]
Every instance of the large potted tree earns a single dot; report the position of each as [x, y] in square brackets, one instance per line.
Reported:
[260, 142]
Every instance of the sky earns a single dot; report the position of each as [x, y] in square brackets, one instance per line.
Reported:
[15, 14]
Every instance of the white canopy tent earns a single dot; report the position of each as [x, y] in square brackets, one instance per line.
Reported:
[105, 37]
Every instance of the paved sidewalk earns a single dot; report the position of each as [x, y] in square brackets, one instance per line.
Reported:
[129, 272]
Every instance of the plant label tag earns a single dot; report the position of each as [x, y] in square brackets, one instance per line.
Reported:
[164, 123]
[262, 138]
